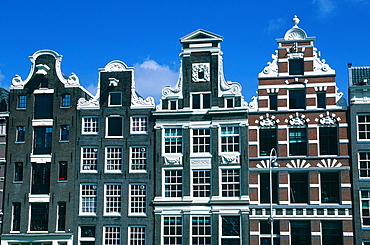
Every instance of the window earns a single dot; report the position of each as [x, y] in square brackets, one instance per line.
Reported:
[90, 125]
[87, 235]
[62, 216]
[201, 230]
[365, 207]
[299, 188]
[16, 216]
[138, 159]
[300, 232]
[139, 125]
[230, 183]
[297, 141]
[332, 233]
[114, 125]
[43, 106]
[115, 98]
[363, 122]
[173, 140]
[89, 159]
[230, 234]
[265, 188]
[137, 201]
[63, 171]
[273, 101]
[18, 171]
[229, 102]
[173, 183]
[113, 157]
[22, 101]
[172, 104]
[64, 132]
[201, 183]
[297, 99]
[328, 140]
[88, 199]
[201, 140]
[265, 231]
[66, 100]
[364, 164]
[39, 216]
[172, 230]
[40, 178]
[112, 235]
[43, 140]
[330, 187]
[201, 101]
[268, 140]
[229, 139]
[321, 99]
[137, 235]
[3, 124]
[113, 199]
[296, 67]
[21, 134]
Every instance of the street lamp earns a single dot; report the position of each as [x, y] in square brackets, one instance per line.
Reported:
[272, 164]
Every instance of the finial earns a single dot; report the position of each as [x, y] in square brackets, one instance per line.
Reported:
[295, 21]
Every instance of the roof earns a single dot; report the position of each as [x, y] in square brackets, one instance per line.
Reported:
[359, 75]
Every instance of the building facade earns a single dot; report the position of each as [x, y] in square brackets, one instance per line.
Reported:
[359, 85]
[299, 113]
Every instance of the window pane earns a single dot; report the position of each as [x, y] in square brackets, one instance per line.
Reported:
[301, 232]
[66, 100]
[115, 126]
[39, 216]
[296, 67]
[196, 101]
[297, 99]
[273, 100]
[268, 140]
[297, 141]
[328, 140]
[115, 98]
[43, 106]
[332, 232]
[330, 187]
[229, 139]
[265, 188]
[298, 187]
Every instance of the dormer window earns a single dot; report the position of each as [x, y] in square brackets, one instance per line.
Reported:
[115, 98]
[296, 66]
[201, 101]
[229, 102]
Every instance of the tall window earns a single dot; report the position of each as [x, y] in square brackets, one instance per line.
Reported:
[138, 161]
[137, 235]
[201, 230]
[89, 158]
[364, 164]
[137, 201]
[201, 140]
[363, 122]
[321, 99]
[265, 231]
[173, 183]
[332, 232]
[265, 188]
[201, 183]
[297, 141]
[114, 126]
[172, 230]
[40, 178]
[62, 216]
[43, 140]
[66, 100]
[43, 106]
[299, 188]
[88, 199]
[64, 132]
[112, 235]
[139, 125]
[328, 140]
[273, 101]
[115, 98]
[113, 197]
[21, 134]
[300, 232]
[90, 125]
[173, 140]
[87, 235]
[63, 171]
[22, 101]
[296, 67]
[113, 158]
[229, 139]
[330, 187]
[16, 216]
[230, 233]
[18, 171]
[365, 207]
[201, 101]
[230, 183]
[268, 140]
[297, 99]
[39, 216]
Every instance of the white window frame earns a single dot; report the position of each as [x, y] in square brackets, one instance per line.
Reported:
[112, 199]
[20, 129]
[90, 125]
[137, 235]
[229, 98]
[175, 229]
[204, 185]
[230, 135]
[201, 101]
[201, 228]
[234, 183]
[137, 203]
[113, 159]
[114, 236]
[92, 199]
[358, 127]
[368, 165]
[85, 239]
[139, 155]
[109, 98]
[107, 126]
[92, 160]
[176, 144]
[164, 184]
[361, 208]
[142, 123]
[204, 145]
[176, 105]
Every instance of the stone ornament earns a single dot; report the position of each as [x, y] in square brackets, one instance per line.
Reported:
[201, 72]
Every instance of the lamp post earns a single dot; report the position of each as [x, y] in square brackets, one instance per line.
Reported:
[272, 163]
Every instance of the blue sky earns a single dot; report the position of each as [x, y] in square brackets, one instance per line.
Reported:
[145, 34]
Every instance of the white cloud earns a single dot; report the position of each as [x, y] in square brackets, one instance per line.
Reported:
[325, 6]
[92, 88]
[1, 77]
[151, 77]
[274, 25]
